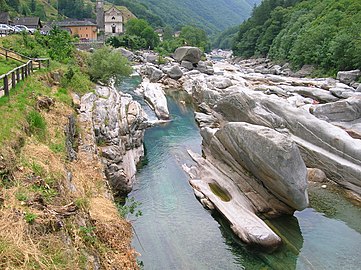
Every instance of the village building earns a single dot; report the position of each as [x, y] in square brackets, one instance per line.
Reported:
[85, 30]
[5, 18]
[29, 22]
[111, 21]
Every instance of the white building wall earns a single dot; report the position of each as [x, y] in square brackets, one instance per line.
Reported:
[113, 18]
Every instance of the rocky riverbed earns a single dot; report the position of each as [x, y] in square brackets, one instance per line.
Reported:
[264, 134]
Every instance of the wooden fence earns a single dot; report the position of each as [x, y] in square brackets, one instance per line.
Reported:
[18, 74]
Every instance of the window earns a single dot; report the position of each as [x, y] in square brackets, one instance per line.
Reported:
[86, 35]
[113, 18]
[113, 29]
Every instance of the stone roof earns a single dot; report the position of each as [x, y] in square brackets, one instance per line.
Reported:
[75, 23]
[28, 21]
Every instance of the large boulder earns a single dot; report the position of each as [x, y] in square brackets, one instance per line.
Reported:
[258, 149]
[154, 94]
[175, 72]
[154, 74]
[341, 111]
[348, 76]
[322, 144]
[187, 53]
[205, 67]
[118, 123]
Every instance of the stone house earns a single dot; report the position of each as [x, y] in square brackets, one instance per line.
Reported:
[30, 22]
[85, 30]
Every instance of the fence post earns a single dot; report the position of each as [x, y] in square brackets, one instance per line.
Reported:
[6, 54]
[22, 73]
[13, 80]
[17, 75]
[48, 63]
[26, 70]
[39, 64]
[31, 67]
[6, 85]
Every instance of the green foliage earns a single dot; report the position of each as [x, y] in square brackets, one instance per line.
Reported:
[105, 64]
[190, 35]
[194, 36]
[130, 207]
[30, 217]
[325, 34]
[60, 44]
[206, 14]
[56, 45]
[138, 35]
[37, 124]
[75, 9]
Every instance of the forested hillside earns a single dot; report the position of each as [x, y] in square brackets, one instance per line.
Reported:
[211, 15]
[324, 33]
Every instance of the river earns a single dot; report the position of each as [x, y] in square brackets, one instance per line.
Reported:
[176, 232]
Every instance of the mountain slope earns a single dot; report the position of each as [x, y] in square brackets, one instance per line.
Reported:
[323, 33]
[211, 15]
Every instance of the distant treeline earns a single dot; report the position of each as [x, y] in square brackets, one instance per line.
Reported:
[324, 33]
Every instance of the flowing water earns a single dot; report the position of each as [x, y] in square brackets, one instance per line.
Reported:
[176, 232]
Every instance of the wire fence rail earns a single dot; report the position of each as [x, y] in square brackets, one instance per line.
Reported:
[13, 77]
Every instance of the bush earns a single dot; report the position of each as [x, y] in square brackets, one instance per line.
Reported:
[105, 64]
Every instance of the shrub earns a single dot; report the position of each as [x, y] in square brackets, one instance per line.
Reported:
[105, 64]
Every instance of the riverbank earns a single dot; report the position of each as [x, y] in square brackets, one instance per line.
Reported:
[57, 210]
[290, 115]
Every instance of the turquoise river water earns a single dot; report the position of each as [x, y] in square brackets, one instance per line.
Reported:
[176, 232]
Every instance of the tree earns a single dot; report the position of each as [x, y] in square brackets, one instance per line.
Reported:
[194, 36]
[105, 64]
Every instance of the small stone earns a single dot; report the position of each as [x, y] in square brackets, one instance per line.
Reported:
[324, 186]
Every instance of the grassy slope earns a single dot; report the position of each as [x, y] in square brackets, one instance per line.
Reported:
[35, 186]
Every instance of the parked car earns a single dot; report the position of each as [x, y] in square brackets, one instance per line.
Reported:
[15, 29]
[5, 29]
[23, 28]
[32, 30]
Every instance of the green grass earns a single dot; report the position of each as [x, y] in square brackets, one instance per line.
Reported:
[8, 65]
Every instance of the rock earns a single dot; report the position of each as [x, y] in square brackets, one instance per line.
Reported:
[188, 65]
[44, 103]
[318, 94]
[175, 72]
[258, 149]
[305, 71]
[151, 58]
[316, 175]
[154, 94]
[322, 144]
[171, 83]
[340, 111]
[154, 74]
[348, 77]
[276, 70]
[221, 82]
[70, 140]
[118, 123]
[127, 54]
[187, 53]
[75, 100]
[235, 208]
[342, 92]
[204, 68]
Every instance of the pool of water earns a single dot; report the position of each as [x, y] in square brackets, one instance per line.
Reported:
[176, 232]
